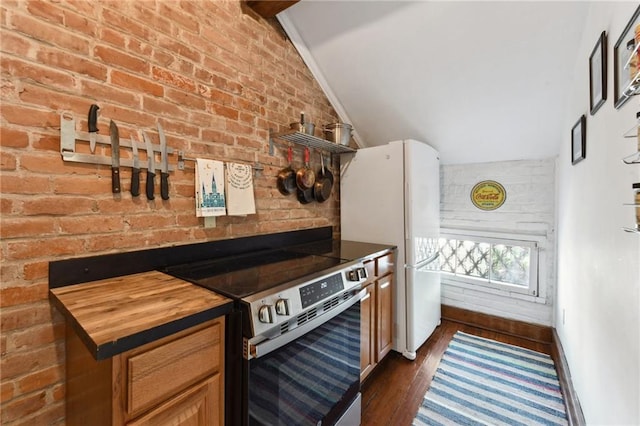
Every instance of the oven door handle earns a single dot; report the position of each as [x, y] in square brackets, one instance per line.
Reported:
[263, 348]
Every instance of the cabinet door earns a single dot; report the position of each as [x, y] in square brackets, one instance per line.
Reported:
[367, 332]
[384, 316]
[200, 405]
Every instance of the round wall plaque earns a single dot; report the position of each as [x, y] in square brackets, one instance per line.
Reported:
[488, 195]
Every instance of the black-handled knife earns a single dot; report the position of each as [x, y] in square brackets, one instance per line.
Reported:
[164, 165]
[115, 157]
[151, 167]
[135, 171]
[93, 126]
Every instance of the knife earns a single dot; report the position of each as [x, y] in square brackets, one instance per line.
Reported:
[115, 158]
[135, 171]
[164, 165]
[93, 126]
[151, 168]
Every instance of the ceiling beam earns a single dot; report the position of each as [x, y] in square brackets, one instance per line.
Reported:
[269, 8]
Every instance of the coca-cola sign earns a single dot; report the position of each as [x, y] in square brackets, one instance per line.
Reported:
[488, 195]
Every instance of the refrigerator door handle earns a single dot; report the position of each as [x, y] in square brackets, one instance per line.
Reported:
[425, 262]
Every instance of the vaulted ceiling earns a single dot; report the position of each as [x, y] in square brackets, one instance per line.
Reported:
[478, 80]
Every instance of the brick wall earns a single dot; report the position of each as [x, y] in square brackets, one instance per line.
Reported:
[528, 209]
[215, 77]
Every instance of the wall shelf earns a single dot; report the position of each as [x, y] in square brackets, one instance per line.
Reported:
[308, 141]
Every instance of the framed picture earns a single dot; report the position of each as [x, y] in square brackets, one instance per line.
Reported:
[625, 63]
[579, 140]
[598, 74]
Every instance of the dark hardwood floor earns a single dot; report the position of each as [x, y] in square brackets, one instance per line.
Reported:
[392, 394]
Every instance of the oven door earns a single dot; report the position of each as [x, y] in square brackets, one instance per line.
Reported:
[312, 380]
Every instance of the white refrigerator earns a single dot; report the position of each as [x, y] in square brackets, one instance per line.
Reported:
[390, 194]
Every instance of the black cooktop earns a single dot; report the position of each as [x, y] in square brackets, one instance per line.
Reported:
[241, 276]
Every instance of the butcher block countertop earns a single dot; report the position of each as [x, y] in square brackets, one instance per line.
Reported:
[118, 314]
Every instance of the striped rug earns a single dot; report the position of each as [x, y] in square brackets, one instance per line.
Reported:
[484, 382]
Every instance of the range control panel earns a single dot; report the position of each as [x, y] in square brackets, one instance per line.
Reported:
[269, 311]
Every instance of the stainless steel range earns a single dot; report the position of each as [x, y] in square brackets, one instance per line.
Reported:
[299, 316]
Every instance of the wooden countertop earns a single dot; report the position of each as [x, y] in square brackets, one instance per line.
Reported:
[117, 314]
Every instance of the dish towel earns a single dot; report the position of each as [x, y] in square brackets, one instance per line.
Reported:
[209, 185]
[240, 198]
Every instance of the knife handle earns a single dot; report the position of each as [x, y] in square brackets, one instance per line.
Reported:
[115, 180]
[93, 118]
[164, 185]
[150, 184]
[135, 182]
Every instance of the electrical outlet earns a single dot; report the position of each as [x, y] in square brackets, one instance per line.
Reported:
[563, 316]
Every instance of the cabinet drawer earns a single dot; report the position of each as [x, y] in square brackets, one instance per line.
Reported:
[385, 264]
[159, 373]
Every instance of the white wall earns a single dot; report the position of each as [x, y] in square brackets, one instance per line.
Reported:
[529, 209]
[598, 273]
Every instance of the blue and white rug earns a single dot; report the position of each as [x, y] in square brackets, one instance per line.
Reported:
[484, 382]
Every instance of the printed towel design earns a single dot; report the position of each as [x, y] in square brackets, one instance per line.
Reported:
[209, 185]
[240, 198]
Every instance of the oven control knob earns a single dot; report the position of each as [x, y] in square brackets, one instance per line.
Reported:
[265, 314]
[282, 307]
[357, 274]
[362, 273]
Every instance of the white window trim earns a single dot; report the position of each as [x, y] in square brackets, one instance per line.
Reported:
[536, 241]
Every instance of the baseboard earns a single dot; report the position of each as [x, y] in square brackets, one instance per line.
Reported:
[571, 402]
[525, 330]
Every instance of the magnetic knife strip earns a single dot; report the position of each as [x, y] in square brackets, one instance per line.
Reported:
[69, 135]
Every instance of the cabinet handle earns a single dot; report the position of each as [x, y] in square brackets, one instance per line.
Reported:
[385, 285]
[366, 297]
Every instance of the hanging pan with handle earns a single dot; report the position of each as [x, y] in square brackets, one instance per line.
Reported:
[324, 183]
[305, 177]
[287, 177]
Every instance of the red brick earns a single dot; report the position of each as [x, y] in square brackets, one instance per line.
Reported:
[178, 17]
[179, 48]
[59, 206]
[91, 224]
[224, 111]
[13, 138]
[30, 117]
[50, 34]
[36, 271]
[99, 90]
[161, 106]
[113, 37]
[16, 43]
[22, 407]
[115, 57]
[52, 164]
[11, 296]
[171, 78]
[26, 227]
[18, 184]
[7, 390]
[132, 82]
[7, 161]
[21, 317]
[78, 64]
[185, 99]
[80, 22]
[48, 11]
[117, 19]
[45, 247]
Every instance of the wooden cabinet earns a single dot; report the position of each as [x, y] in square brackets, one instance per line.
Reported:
[376, 314]
[176, 380]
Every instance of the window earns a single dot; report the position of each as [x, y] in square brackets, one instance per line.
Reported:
[509, 264]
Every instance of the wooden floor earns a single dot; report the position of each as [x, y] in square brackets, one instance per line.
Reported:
[392, 394]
